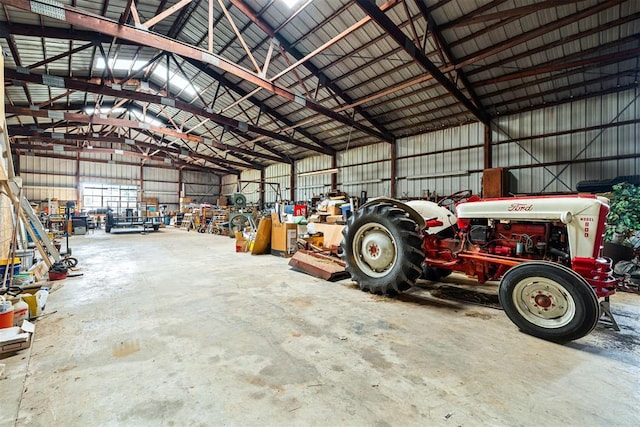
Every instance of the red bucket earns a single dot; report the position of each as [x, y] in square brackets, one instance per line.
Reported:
[56, 275]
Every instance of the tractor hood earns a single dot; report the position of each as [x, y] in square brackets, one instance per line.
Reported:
[555, 208]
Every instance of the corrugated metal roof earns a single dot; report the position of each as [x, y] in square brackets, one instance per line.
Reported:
[515, 54]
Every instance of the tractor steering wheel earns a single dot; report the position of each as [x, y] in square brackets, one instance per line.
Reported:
[451, 200]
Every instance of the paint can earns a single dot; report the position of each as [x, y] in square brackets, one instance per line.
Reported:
[6, 313]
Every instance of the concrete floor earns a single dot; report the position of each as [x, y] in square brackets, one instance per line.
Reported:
[175, 328]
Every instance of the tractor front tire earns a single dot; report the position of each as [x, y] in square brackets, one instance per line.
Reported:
[549, 301]
[382, 249]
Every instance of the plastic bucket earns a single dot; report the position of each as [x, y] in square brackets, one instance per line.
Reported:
[6, 313]
[56, 275]
[26, 258]
[16, 270]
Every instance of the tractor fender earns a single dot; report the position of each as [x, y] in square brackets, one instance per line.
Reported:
[420, 211]
[413, 214]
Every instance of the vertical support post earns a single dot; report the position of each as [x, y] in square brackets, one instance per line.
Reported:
[210, 28]
[334, 176]
[261, 189]
[292, 182]
[392, 183]
[78, 199]
[488, 154]
[141, 180]
[180, 195]
[16, 163]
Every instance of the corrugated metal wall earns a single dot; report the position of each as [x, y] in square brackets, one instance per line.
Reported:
[251, 190]
[366, 169]
[308, 186]
[201, 187]
[602, 143]
[161, 184]
[229, 184]
[47, 178]
[547, 150]
[279, 175]
[443, 162]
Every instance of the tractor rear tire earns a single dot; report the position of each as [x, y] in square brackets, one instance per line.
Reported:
[382, 249]
[549, 301]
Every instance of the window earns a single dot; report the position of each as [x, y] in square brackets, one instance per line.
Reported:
[118, 198]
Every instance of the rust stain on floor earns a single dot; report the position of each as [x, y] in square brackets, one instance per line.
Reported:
[125, 348]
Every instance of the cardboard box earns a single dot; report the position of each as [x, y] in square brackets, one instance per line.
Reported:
[332, 219]
[334, 210]
[284, 237]
[242, 244]
[17, 337]
[332, 234]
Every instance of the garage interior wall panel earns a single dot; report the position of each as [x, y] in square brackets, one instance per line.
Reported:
[229, 184]
[251, 190]
[366, 169]
[110, 173]
[583, 154]
[308, 186]
[202, 187]
[426, 163]
[279, 173]
[161, 184]
[47, 178]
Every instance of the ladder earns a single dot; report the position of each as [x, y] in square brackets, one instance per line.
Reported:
[34, 227]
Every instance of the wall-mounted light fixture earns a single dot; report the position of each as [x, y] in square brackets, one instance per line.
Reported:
[368, 181]
[440, 175]
[320, 172]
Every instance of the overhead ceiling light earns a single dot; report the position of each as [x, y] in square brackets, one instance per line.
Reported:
[121, 64]
[291, 3]
[104, 109]
[320, 172]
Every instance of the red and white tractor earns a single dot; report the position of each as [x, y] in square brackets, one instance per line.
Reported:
[545, 251]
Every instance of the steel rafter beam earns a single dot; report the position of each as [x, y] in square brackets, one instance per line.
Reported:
[124, 123]
[532, 34]
[117, 91]
[476, 18]
[564, 40]
[255, 101]
[323, 78]
[437, 35]
[60, 56]
[71, 147]
[562, 66]
[491, 5]
[77, 17]
[369, 7]
[55, 138]
[555, 91]
[68, 148]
